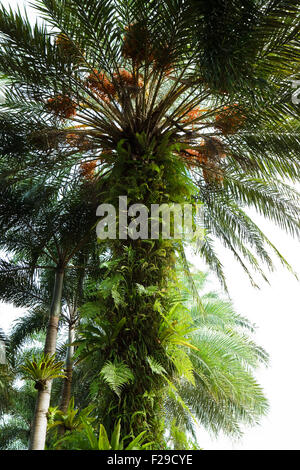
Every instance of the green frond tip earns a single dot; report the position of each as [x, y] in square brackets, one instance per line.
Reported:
[155, 366]
[116, 374]
[42, 369]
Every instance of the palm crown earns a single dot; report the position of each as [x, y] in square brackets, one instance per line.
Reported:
[103, 72]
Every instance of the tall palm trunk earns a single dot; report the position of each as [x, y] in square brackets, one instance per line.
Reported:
[72, 320]
[67, 383]
[149, 267]
[39, 424]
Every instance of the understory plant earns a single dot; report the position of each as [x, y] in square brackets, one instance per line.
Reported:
[86, 438]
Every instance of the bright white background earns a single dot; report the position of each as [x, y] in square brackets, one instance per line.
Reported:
[275, 309]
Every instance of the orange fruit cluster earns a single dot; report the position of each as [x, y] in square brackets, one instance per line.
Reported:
[195, 157]
[192, 115]
[72, 139]
[105, 89]
[100, 84]
[229, 120]
[136, 44]
[87, 169]
[62, 106]
[77, 140]
[208, 157]
[138, 47]
[126, 78]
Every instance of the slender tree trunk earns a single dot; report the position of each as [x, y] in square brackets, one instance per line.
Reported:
[67, 384]
[39, 425]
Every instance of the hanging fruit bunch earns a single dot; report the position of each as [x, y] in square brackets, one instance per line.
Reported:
[213, 174]
[62, 106]
[137, 45]
[229, 120]
[78, 140]
[68, 48]
[139, 48]
[128, 81]
[217, 148]
[163, 58]
[192, 116]
[196, 157]
[207, 156]
[101, 85]
[87, 169]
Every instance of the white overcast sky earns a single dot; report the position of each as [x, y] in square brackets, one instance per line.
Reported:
[275, 310]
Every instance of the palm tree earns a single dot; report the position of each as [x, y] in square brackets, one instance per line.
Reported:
[36, 319]
[104, 71]
[57, 234]
[6, 376]
[146, 101]
[15, 425]
[17, 404]
[213, 355]
[18, 290]
[15, 428]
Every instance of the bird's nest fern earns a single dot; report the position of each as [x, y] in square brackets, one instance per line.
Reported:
[42, 369]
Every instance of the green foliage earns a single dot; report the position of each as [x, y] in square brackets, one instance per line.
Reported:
[26, 327]
[42, 369]
[178, 439]
[211, 68]
[6, 380]
[98, 336]
[117, 375]
[62, 425]
[139, 86]
[87, 439]
[15, 425]
[203, 369]
[223, 392]
[155, 366]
